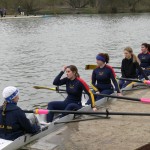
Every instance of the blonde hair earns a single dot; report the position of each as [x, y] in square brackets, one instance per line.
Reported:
[129, 50]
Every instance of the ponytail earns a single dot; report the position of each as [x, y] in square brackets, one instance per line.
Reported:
[135, 59]
[4, 108]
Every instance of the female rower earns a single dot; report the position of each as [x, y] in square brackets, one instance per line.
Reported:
[144, 58]
[129, 67]
[102, 77]
[13, 121]
[74, 88]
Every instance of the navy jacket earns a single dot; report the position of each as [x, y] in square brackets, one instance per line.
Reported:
[74, 88]
[15, 123]
[144, 59]
[101, 79]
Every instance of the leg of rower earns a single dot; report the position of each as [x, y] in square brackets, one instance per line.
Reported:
[121, 82]
[126, 83]
[72, 106]
[55, 105]
[107, 92]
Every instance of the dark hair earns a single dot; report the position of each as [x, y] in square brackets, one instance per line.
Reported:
[106, 56]
[74, 69]
[145, 45]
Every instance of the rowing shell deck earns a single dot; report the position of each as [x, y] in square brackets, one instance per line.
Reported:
[47, 129]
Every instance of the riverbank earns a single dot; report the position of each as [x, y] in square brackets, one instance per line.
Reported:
[118, 132]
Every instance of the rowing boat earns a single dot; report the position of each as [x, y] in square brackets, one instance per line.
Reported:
[49, 128]
[25, 17]
[45, 129]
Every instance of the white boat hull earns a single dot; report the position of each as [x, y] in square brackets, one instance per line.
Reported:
[47, 129]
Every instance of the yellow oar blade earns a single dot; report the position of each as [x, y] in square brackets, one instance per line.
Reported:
[42, 87]
[90, 67]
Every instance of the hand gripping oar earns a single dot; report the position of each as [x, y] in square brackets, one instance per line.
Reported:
[91, 67]
[134, 80]
[144, 100]
[107, 113]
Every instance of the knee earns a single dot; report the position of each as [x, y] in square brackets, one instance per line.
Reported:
[50, 105]
[72, 107]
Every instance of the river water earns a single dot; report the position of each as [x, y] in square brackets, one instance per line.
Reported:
[33, 51]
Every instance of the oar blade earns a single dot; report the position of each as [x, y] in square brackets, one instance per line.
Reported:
[90, 67]
[42, 87]
[145, 100]
[37, 87]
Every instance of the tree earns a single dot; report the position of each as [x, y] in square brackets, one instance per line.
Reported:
[78, 3]
[31, 6]
[132, 4]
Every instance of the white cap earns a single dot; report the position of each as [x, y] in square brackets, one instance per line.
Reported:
[10, 93]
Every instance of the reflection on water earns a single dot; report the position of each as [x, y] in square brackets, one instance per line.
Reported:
[34, 50]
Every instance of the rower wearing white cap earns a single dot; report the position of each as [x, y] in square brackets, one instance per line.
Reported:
[13, 121]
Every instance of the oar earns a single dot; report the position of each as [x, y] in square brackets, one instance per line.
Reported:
[144, 100]
[134, 80]
[91, 67]
[43, 87]
[107, 113]
[85, 119]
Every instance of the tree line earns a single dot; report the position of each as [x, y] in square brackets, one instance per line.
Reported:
[100, 6]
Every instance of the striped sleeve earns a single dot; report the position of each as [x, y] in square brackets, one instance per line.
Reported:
[93, 81]
[88, 91]
[113, 78]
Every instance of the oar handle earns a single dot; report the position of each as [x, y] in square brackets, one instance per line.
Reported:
[145, 100]
[28, 111]
[147, 82]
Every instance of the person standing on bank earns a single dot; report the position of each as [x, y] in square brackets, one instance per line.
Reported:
[129, 67]
[74, 88]
[13, 121]
[102, 77]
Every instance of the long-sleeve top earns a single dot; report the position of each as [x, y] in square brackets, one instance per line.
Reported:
[144, 59]
[101, 79]
[74, 88]
[15, 123]
[128, 69]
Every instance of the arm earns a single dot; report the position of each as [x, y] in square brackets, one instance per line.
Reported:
[87, 90]
[93, 81]
[141, 70]
[122, 70]
[25, 123]
[58, 81]
[113, 78]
